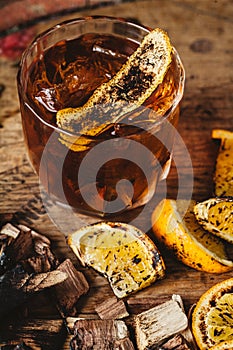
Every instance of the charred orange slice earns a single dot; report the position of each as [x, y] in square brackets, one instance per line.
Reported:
[224, 345]
[190, 243]
[222, 134]
[223, 176]
[122, 253]
[212, 319]
[129, 88]
[216, 216]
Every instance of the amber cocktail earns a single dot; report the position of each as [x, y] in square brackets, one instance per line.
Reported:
[119, 167]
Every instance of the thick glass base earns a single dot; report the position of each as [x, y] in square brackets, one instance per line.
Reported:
[69, 219]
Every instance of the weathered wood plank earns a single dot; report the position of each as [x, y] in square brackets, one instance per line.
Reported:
[202, 33]
[37, 333]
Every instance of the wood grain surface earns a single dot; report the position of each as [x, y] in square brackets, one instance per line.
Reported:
[201, 30]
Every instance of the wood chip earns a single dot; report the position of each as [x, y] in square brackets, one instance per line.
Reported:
[159, 323]
[21, 244]
[16, 286]
[34, 334]
[111, 309]
[10, 230]
[68, 293]
[43, 260]
[186, 333]
[124, 344]
[101, 335]
[37, 264]
[15, 346]
[41, 243]
[40, 281]
[17, 247]
[137, 304]
[40, 268]
[176, 343]
[70, 321]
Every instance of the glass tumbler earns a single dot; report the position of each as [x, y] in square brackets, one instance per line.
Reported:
[116, 167]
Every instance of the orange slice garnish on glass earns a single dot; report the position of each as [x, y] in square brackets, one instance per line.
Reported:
[128, 89]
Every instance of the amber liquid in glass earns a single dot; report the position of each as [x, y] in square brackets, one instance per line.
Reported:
[66, 76]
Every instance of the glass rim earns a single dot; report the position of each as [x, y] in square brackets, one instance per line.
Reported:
[78, 20]
[54, 28]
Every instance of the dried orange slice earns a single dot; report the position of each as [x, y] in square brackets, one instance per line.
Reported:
[190, 243]
[212, 319]
[79, 143]
[222, 134]
[225, 345]
[223, 176]
[216, 216]
[129, 88]
[121, 252]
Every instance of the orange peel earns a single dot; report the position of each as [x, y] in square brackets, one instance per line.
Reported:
[216, 216]
[121, 252]
[189, 242]
[223, 176]
[129, 88]
[212, 317]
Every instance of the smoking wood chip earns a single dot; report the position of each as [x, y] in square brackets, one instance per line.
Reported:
[101, 335]
[69, 292]
[159, 323]
[112, 308]
[70, 320]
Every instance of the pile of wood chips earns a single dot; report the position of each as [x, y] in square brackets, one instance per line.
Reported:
[28, 266]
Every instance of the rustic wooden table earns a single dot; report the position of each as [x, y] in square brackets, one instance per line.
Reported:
[201, 31]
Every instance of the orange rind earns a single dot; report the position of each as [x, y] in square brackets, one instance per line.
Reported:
[225, 345]
[190, 243]
[125, 255]
[222, 134]
[223, 177]
[212, 318]
[128, 89]
[216, 216]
